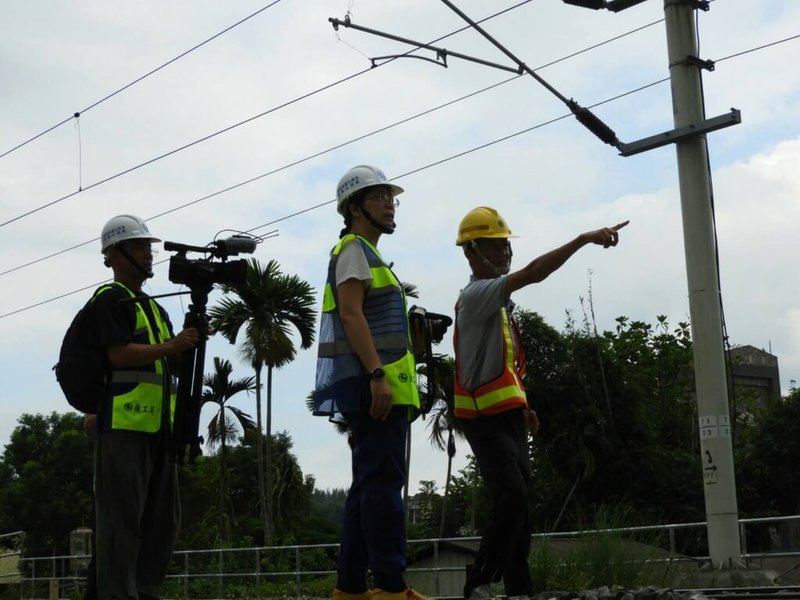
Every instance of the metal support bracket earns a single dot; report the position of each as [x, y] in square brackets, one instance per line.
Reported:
[708, 65]
[670, 137]
[703, 5]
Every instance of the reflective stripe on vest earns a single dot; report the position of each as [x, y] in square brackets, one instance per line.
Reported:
[501, 394]
[137, 395]
[385, 310]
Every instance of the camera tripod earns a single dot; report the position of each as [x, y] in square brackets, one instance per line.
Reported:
[186, 426]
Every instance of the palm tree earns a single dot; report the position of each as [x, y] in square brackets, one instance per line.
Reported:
[223, 427]
[268, 305]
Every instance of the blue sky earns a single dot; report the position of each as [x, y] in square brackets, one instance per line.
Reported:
[550, 183]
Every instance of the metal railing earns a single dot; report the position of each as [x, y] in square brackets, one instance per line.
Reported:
[271, 564]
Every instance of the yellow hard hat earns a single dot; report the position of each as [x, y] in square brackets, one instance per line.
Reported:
[482, 222]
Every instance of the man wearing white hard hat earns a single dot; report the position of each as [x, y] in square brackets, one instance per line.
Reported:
[137, 507]
[366, 374]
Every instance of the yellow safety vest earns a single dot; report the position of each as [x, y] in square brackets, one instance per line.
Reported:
[386, 313]
[137, 395]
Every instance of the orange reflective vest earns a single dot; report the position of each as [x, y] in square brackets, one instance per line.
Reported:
[500, 394]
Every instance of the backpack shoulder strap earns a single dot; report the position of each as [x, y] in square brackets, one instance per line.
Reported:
[107, 286]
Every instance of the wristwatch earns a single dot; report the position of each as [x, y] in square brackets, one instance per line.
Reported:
[376, 374]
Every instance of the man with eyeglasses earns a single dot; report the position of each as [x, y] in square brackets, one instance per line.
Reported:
[137, 505]
[366, 376]
[490, 401]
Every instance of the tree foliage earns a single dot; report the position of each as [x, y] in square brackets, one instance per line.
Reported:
[768, 452]
[269, 306]
[224, 426]
[617, 412]
[618, 428]
[46, 491]
[618, 419]
[46, 487]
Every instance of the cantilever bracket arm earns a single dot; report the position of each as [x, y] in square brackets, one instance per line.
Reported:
[584, 115]
[442, 53]
[676, 135]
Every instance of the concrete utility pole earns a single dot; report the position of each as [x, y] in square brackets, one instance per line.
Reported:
[704, 295]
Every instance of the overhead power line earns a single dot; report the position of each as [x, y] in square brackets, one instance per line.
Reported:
[176, 150]
[743, 52]
[346, 143]
[406, 174]
[234, 126]
[137, 80]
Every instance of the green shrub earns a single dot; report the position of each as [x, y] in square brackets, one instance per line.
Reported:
[601, 557]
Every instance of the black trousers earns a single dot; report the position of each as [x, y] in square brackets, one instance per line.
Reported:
[137, 509]
[499, 443]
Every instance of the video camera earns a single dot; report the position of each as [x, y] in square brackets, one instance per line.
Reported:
[432, 327]
[200, 275]
[205, 272]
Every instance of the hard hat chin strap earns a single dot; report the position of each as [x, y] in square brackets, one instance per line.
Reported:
[142, 271]
[382, 228]
[497, 271]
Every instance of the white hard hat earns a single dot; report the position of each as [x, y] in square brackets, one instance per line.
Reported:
[359, 178]
[124, 227]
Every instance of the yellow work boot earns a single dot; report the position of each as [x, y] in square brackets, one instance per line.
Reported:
[412, 594]
[407, 594]
[340, 595]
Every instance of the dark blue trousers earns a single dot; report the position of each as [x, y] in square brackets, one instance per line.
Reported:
[374, 534]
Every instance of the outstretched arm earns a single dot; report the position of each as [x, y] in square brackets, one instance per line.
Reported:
[540, 268]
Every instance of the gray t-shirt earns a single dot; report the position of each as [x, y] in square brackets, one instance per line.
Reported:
[480, 330]
[352, 264]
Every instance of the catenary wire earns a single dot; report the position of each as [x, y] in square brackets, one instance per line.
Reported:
[342, 144]
[465, 152]
[137, 80]
[235, 125]
[743, 52]
[176, 150]
[407, 173]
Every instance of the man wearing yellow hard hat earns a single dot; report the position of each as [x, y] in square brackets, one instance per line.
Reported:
[490, 400]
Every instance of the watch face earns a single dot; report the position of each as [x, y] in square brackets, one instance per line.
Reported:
[377, 374]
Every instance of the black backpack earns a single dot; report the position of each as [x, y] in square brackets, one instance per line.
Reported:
[82, 363]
